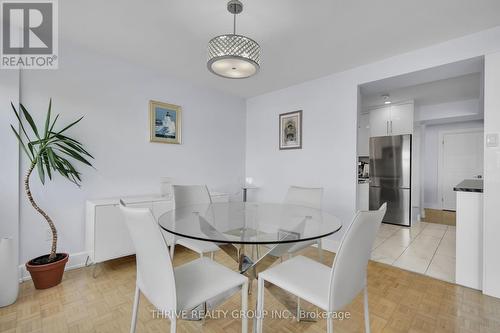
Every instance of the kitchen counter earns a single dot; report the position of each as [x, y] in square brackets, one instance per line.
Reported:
[470, 185]
[469, 231]
[363, 194]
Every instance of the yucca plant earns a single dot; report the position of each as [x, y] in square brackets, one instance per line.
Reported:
[48, 151]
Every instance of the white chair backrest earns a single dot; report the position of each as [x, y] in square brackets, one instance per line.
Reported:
[305, 196]
[348, 276]
[155, 273]
[187, 195]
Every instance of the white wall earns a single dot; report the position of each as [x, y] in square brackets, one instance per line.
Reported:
[323, 161]
[330, 105]
[9, 150]
[491, 222]
[430, 161]
[113, 96]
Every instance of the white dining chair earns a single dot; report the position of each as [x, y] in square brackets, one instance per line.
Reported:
[305, 196]
[310, 197]
[173, 290]
[187, 195]
[330, 289]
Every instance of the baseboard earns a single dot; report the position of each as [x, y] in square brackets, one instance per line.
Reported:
[76, 260]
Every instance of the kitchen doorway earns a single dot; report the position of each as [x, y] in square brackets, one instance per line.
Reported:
[442, 109]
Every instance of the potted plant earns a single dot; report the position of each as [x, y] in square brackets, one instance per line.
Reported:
[48, 152]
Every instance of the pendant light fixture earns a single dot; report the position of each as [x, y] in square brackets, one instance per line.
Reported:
[233, 56]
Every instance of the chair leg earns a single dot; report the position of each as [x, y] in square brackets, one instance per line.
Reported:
[367, 312]
[173, 325]
[329, 325]
[320, 251]
[135, 309]
[298, 308]
[260, 304]
[201, 255]
[244, 307]
[212, 255]
[172, 250]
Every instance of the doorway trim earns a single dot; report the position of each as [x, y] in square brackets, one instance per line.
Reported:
[441, 135]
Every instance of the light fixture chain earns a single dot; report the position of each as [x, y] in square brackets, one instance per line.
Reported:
[234, 24]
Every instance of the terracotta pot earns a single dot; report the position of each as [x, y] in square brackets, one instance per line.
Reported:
[47, 275]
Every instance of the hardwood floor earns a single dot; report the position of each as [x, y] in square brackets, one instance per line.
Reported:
[400, 301]
[446, 217]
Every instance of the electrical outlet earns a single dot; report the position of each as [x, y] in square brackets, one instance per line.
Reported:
[48, 235]
[492, 140]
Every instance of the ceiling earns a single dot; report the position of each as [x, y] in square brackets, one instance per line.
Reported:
[448, 83]
[443, 91]
[301, 40]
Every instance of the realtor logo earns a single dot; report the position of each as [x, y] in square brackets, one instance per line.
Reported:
[29, 34]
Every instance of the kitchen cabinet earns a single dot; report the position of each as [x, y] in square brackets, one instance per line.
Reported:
[363, 195]
[469, 231]
[107, 236]
[379, 121]
[363, 134]
[395, 119]
[401, 121]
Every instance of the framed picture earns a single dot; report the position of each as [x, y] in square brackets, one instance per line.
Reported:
[165, 122]
[291, 130]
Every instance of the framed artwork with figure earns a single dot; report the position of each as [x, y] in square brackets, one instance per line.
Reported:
[165, 122]
[290, 130]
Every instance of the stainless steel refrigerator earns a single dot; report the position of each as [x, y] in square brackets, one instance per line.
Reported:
[390, 177]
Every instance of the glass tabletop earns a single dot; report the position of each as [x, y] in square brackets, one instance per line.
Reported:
[249, 223]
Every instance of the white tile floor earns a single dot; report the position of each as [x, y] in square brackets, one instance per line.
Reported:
[425, 248]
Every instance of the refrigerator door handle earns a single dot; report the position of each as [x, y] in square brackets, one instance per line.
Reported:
[391, 126]
[387, 126]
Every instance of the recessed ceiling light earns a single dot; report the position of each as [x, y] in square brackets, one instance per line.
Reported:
[386, 99]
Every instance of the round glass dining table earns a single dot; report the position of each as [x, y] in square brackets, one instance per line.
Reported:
[234, 225]
[237, 226]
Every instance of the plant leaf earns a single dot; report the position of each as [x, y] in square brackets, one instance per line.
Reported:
[30, 121]
[73, 153]
[67, 170]
[75, 145]
[41, 173]
[47, 121]
[50, 155]
[60, 167]
[75, 175]
[70, 125]
[53, 123]
[20, 121]
[44, 159]
[22, 143]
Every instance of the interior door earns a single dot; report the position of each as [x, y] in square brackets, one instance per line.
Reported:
[462, 158]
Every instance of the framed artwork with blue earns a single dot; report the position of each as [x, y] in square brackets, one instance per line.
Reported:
[165, 122]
